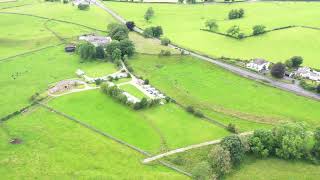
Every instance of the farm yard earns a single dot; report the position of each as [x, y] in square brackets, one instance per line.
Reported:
[85, 98]
[182, 24]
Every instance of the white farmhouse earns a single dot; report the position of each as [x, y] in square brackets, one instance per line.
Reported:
[96, 40]
[258, 65]
[82, 2]
[308, 73]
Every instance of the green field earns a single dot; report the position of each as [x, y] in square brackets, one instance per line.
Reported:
[193, 82]
[182, 24]
[23, 76]
[272, 169]
[155, 129]
[133, 91]
[55, 148]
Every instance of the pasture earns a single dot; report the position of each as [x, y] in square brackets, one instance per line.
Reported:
[55, 147]
[214, 90]
[182, 24]
[154, 129]
[133, 91]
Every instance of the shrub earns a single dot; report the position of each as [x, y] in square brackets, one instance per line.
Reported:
[316, 146]
[146, 81]
[234, 31]
[307, 86]
[220, 161]
[83, 6]
[168, 99]
[190, 109]
[65, 1]
[318, 89]
[198, 114]
[118, 31]
[262, 143]
[155, 31]
[98, 81]
[211, 24]
[236, 13]
[234, 146]
[149, 14]
[165, 41]
[34, 97]
[258, 29]
[130, 25]
[278, 70]
[165, 53]
[232, 128]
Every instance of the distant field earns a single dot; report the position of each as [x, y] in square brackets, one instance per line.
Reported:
[23, 76]
[272, 169]
[214, 90]
[182, 24]
[154, 129]
[56, 148]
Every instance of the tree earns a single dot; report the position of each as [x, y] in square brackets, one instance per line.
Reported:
[112, 46]
[316, 146]
[258, 29]
[116, 55]
[211, 24]
[201, 171]
[278, 70]
[318, 88]
[219, 160]
[130, 25]
[127, 47]
[234, 146]
[290, 140]
[262, 143]
[165, 41]
[191, 1]
[100, 54]
[234, 31]
[153, 32]
[236, 13]
[296, 61]
[149, 14]
[118, 31]
[83, 6]
[86, 51]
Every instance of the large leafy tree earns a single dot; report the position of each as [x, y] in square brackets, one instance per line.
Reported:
[127, 47]
[234, 146]
[87, 51]
[118, 31]
[278, 70]
[262, 143]
[220, 161]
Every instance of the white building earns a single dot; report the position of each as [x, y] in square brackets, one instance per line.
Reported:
[83, 2]
[258, 65]
[96, 40]
[308, 73]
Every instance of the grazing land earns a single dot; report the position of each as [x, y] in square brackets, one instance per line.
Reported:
[155, 129]
[54, 147]
[133, 91]
[193, 82]
[182, 24]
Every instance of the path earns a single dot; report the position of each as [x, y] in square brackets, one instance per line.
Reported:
[159, 156]
[237, 70]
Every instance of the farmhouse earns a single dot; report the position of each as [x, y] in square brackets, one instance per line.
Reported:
[82, 2]
[308, 73]
[258, 65]
[96, 40]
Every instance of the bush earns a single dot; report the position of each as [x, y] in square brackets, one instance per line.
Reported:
[211, 24]
[220, 161]
[165, 53]
[278, 70]
[149, 14]
[258, 29]
[130, 25]
[307, 86]
[98, 81]
[83, 6]
[165, 41]
[236, 13]
[232, 128]
[318, 89]
[316, 148]
[234, 31]
[153, 32]
[118, 31]
[190, 109]
[65, 1]
[198, 114]
[234, 146]
[146, 81]
[201, 171]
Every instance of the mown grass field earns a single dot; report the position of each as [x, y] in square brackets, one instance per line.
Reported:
[56, 148]
[23, 76]
[214, 90]
[155, 129]
[182, 24]
[133, 91]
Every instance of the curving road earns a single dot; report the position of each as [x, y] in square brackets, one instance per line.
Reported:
[294, 88]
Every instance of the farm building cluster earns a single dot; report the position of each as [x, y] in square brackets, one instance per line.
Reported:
[65, 85]
[80, 2]
[258, 65]
[151, 91]
[95, 39]
[307, 73]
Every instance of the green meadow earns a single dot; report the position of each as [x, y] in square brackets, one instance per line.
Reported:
[133, 91]
[182, 24]
[155, 129]
[216, 91]
[53, 147]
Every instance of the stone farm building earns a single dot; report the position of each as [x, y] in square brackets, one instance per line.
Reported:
[95, 39]
[308, 73]
[258, 65]
[65, 85]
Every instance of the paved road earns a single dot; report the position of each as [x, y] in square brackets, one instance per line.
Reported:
[159, 156]
[295, 88]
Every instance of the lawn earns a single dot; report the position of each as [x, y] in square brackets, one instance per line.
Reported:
[56, 148]
[23, 76]
[214, 90]
[272, 169]
[133, 91]
[182, 24]
[155, 129]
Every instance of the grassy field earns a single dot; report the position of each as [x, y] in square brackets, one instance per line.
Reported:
[272, 169]
[154, 129]
[214, 90]
[56, 148]
[23, 76]
[133, 91]
[182, 24]
[12, 3]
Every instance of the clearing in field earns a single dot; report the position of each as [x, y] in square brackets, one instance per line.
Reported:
[155, 129]
[182, 24]
[62, 149]
[217, 91]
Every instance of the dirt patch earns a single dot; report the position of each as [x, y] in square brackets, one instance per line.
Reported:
[15, 141]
